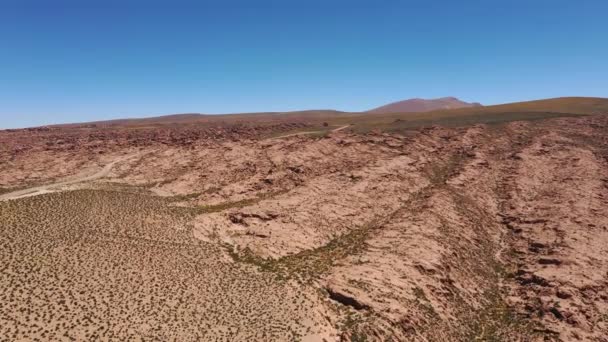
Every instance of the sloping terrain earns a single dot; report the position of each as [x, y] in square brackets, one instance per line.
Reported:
[496, 114]
[207, 126]
[422, 105]
[480, 232]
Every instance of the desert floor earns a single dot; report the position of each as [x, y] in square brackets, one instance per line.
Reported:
[485, 232]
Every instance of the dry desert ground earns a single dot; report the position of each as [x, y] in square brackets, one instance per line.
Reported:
[478, 232]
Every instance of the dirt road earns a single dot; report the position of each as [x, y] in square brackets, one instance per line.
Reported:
[43, 189]
[310, 132]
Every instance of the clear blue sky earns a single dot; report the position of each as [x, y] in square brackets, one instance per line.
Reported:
[71, 61]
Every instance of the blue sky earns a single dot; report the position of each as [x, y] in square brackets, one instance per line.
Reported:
[71, 61]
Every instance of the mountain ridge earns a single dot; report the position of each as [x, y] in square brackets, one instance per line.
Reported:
[418, 105]
[563, 105]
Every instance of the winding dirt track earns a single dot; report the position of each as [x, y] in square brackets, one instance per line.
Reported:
[42, 189]
[310, 132]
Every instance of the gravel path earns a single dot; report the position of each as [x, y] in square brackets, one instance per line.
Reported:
[43, 189]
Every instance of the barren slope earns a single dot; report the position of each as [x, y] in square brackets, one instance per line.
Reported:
[494, 233]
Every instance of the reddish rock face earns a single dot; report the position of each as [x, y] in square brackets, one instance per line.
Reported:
[442, 234]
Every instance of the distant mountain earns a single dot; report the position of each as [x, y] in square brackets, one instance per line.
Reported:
[422, 105]
[192, 118]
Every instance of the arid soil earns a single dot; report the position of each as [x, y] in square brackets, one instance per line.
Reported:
[480, 233]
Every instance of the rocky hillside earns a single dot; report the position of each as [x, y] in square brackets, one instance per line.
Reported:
[489, 233]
